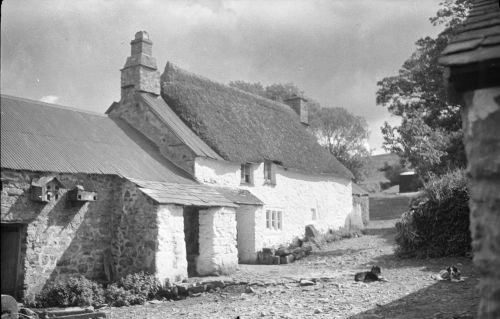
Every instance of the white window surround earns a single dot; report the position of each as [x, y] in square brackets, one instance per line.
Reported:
[274, 219]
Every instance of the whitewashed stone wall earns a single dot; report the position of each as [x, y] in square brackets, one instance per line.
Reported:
[294, 193]
[213, 172]
[217, 239]
[171, 262]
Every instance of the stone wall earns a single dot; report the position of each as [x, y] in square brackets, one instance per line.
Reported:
[481, 119]
[218, 252]
[171, 262]
[139, 115]
[135, 233]
[58, 238]
[294, 193]
[363, 204]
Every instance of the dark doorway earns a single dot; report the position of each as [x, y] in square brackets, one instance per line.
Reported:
[10, 254]
[191, 236]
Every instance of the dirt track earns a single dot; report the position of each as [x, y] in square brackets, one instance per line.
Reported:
[410, 292]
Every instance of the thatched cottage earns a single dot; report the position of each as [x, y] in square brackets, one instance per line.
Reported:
[183, 176]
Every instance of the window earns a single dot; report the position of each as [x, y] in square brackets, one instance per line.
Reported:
[274, 219]
[246, 173]
[269, 176]
[314, 215]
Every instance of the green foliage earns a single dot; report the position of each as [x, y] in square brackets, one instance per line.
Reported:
[437, 223]
[76, 291]
[344, 135]
[430, 136]
[118, 297]
[392, 172]
[142, 284]
[134, 289]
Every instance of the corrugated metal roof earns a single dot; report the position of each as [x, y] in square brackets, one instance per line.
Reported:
[478, 39]
[187, 195]
[39, 136]
[181, 130]
[239, 196]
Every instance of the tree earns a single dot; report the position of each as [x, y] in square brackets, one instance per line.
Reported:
[345, 136]
[430, 135]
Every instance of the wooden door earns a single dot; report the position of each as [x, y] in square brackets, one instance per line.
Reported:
[10, 253]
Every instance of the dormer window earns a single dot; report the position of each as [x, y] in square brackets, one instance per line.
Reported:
[246, 173]
[269, 173]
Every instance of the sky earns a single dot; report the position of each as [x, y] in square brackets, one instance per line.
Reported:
[71, 52]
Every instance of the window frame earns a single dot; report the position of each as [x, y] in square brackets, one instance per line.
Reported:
[246, 171]
[314, 215]
[274, 219]
[269, 173]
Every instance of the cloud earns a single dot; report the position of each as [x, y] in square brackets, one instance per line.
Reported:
[49, 99]
[335, 50]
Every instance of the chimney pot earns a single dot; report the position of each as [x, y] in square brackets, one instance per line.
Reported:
[142, 35]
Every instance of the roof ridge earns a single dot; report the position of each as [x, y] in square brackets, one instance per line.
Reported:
[53, 105]
[280, 106]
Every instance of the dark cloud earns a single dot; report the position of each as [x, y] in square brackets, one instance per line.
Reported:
[334, 50]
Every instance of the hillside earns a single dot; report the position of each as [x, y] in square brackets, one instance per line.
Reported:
[375, 176]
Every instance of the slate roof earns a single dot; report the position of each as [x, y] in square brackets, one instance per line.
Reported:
[38, 136]
[239, 196]
[478, 39]
[242, 127]
[186, 195]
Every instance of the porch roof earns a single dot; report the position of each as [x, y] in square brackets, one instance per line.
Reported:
[182, 194]
[240, 196]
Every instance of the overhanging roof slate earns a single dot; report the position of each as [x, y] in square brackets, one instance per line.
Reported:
[186, 195]
[240, 196]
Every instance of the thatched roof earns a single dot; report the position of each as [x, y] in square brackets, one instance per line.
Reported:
[242, 127]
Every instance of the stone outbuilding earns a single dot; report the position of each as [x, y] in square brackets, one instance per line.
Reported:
[54, 157]
[472, 59]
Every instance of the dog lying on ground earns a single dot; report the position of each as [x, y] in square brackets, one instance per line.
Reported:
[368, 276]
[451, 274]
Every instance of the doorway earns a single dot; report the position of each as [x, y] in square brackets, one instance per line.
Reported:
[191, 237]
[10, 256]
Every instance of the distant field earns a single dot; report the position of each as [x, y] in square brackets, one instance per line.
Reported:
[389, 207]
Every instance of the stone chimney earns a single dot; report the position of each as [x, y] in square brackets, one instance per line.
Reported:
[140, 73]
[299, 105]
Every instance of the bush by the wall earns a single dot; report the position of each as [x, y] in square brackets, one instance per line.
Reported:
[76, 291]
[437, 223]
[141, 283]
[133, 289]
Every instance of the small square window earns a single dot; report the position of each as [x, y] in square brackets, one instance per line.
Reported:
[274, 219]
